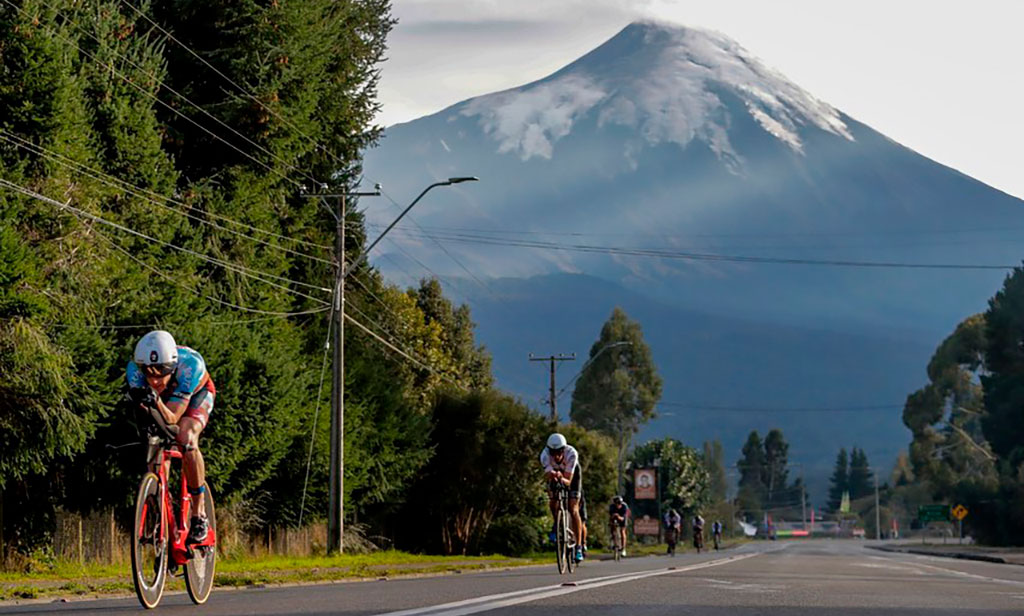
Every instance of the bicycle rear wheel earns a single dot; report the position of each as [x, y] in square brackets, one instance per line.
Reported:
[570, 543]
[199, 571]
[149, 543]
[560, 543]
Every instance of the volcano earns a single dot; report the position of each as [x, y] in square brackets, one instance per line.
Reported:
[782, 254]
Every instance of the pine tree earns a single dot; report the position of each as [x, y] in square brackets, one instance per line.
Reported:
[840, 481]
[776, 451]
[752, 490]
[861, 482]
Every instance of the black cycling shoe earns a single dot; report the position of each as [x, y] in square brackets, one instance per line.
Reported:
[200, 528]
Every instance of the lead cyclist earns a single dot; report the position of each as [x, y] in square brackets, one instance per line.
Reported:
[172, 383]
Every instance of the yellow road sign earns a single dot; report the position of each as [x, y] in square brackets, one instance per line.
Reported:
[959, 512]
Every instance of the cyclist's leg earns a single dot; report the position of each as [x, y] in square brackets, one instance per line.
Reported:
[575, 492]
[190, 426]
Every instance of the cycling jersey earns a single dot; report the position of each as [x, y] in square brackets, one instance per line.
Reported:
[570, 459]
[672, 520]
[190, 383]
[620, 510]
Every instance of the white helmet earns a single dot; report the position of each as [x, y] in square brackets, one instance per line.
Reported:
[556, 441]
[157, 348]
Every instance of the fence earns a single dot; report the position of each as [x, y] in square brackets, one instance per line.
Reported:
[97, 538]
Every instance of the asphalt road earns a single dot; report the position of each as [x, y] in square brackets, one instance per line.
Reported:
[838, 578]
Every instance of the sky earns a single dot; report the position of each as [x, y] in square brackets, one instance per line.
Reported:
[943, 78]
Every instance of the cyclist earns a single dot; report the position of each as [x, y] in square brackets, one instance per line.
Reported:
[716, 532]
[561, 463]
[673, 529]
[698, 531]
[171, 382]
[618, 511]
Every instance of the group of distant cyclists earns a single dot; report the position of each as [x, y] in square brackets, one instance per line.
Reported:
[561, 462]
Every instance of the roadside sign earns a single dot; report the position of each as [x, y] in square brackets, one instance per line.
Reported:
[959, 512]
[646, 526]
[933, 513]
[645, 484]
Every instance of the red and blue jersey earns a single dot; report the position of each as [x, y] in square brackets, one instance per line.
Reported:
[189, 377]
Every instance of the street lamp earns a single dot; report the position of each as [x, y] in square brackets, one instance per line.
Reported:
[336, 491]
[587, 363]
[366, 253]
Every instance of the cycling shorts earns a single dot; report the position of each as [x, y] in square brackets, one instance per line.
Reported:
[200, 405]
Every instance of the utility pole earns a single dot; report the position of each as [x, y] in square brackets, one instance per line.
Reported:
[336, 488]
[552, 395]
[878, 514]
[803, 502]
[336, 499]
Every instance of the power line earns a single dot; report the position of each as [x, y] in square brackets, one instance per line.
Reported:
[163, 85]
[155, 98]
[245, 271]
[141, 193]
[391, 346]
[695, 256]
[208, 297]
[447, 252]
[754, 409]
[251, 96]
[316, 415]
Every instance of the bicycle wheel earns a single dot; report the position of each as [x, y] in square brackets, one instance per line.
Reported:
[570, 544]
[149, 543]
[560, 547]
[199, 571]
[615, 544]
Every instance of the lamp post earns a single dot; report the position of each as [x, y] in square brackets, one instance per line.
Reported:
[336, 488]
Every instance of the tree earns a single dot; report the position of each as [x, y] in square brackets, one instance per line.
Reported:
[946, 416]
[776, 459]
[714, 462]
[484, 468]
[861, 477]
[752, 489]
[618, 390]
[1004, 360]
[840, 481]
[684, 483]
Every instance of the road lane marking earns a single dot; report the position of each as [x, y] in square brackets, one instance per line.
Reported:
[493, 602]
[964, 574]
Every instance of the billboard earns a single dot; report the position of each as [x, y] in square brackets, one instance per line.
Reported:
[645, 485]
[645, 525]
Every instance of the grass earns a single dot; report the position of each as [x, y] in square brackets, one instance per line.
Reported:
[63, 579]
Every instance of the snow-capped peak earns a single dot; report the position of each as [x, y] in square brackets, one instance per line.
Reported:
[662, 80]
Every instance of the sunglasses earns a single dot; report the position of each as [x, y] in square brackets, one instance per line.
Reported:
[157, 369]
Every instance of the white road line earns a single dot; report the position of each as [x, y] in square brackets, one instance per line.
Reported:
[493, 602]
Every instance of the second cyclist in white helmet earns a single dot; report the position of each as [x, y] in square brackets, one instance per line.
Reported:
[561, 463]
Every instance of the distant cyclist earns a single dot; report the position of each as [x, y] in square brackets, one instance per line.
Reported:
[698, 531]
[716, 533]
[172, 383]
[618, 512]
[561, 463]
[673, 529]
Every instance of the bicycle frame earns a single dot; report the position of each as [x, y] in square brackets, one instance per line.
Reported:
[180, 551]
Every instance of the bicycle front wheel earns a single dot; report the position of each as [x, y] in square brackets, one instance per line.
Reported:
[570, 543]
[560, 542]
[199, 570]
[149, 543]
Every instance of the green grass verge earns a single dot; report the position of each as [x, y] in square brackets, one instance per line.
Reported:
[73, 580]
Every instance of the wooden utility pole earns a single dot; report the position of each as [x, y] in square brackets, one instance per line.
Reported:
[336, 488]
[552, 396]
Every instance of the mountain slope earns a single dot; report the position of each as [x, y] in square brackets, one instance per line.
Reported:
[674, 166]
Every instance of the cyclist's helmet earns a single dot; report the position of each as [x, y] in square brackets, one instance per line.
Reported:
[156, 353]
[556, 443]
[617, 499]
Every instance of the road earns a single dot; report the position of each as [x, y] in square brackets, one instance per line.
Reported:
[842, 578]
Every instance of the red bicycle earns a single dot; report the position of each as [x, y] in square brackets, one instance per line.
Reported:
[160, 539]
